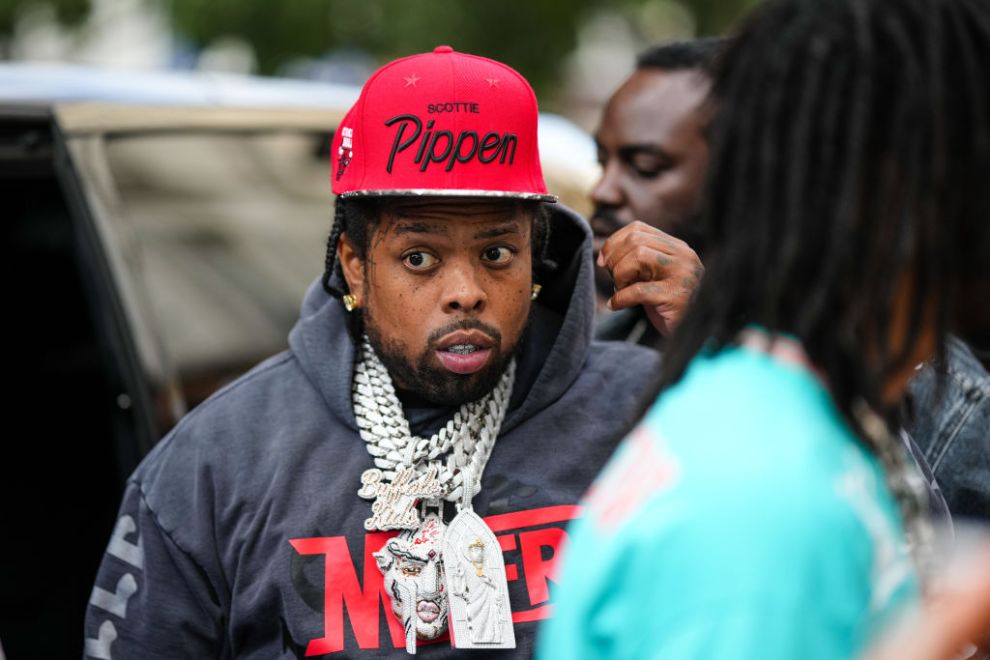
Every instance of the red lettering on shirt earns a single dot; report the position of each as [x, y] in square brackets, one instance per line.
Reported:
[508, 542]
[341, 586]
[366, 600]
[539, 570]
[642, 468]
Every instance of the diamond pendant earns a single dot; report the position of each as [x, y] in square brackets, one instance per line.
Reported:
[413, 577]
[395, 503]
[477, 591]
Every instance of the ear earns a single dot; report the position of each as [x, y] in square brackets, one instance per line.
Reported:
[352, 266]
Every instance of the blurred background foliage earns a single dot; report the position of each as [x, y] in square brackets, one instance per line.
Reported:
[541, 38]
[532, 35]
[69, 12]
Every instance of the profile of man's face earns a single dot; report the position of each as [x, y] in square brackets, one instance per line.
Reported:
[653, 153]
[445, 293]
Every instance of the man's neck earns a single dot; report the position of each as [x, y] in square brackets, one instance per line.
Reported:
[413, 399]
[425, 417]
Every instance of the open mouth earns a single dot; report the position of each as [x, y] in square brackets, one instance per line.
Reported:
[463, 349]
[427, 611]
[464, 358]
[465, 352]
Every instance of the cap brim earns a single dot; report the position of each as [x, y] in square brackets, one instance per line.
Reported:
[458, 192]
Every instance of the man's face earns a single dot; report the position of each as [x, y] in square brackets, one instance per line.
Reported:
[445, 292]
[653, 153]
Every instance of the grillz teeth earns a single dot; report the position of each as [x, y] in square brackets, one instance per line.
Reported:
[461, 349]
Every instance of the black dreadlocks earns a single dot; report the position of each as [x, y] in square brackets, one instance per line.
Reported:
[851, 155]
[848, 198]
[358, 217]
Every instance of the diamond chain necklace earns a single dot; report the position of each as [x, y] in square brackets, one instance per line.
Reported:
[408, 467]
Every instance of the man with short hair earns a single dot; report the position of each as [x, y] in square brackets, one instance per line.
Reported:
[403, 474]
[653, 149]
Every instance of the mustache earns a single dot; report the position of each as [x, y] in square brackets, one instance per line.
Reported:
[466, 324]
[605, 221]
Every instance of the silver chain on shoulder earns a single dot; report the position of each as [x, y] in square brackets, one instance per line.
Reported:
[462, 446]
[906, 484]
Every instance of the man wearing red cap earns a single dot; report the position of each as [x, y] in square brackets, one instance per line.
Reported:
[400, 479]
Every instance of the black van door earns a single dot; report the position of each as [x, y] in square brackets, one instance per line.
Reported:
[78, 416]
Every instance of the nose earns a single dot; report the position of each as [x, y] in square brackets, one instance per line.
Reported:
[464, 291]
[607, 192]
[429, 580]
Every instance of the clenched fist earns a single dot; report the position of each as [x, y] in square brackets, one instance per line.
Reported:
[652, 269]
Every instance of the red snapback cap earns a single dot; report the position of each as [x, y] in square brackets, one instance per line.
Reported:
[441, 123]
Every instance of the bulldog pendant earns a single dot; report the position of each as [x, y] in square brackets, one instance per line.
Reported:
[413, 577]
[477, 591]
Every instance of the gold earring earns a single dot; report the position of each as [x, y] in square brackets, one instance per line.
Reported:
[350, 302]
[536, 291]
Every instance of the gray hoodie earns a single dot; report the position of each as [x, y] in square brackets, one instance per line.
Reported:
[241, 534]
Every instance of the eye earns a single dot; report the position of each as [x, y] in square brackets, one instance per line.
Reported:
[411, 571]
[649, 167]
[649, 174]
[419, 260]
[500, 255]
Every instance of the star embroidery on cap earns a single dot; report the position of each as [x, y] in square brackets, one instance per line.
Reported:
[412, 80]
[493, 82]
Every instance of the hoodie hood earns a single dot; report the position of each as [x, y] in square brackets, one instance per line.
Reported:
[554, 346]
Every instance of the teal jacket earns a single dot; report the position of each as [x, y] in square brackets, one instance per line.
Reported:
[741, 519]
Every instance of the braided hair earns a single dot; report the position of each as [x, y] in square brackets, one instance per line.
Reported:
[355, 217]
[358, 217]
[851, 154]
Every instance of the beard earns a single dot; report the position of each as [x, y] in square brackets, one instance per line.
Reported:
[604, 223]
[436, 384]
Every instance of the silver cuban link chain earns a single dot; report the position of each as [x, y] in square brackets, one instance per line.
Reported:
[410, 469]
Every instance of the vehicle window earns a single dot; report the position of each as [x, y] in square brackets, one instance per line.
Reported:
[231, 229]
